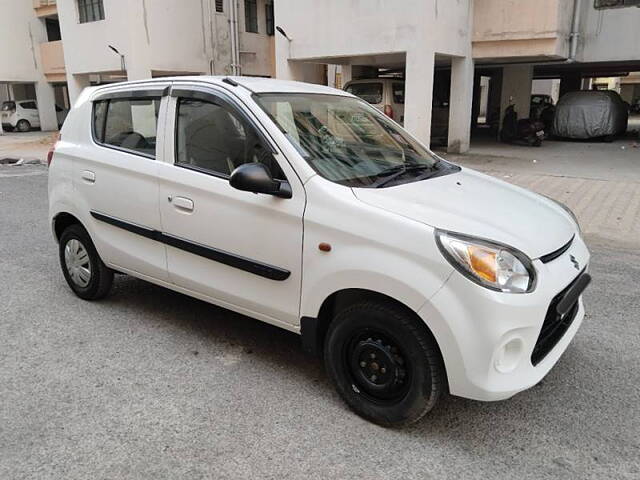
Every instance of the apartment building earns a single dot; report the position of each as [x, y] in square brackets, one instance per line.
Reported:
[52, 49]
[465, 52]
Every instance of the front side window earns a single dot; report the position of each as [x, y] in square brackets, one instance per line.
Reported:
[90, 10]
[215, 139]
[349, 142]
[29, 105]
[251, 16]
[129, 124]
[369, 92]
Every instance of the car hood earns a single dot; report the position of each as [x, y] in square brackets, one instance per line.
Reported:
[475, 204]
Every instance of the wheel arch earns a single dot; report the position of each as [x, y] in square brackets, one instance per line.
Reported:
[313, 330]
[62, 221]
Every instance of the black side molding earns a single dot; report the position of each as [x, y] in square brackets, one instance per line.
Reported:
[236, 261]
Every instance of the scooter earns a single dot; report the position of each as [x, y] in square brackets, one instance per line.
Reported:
[524, 131]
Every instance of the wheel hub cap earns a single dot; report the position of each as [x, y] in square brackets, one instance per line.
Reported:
[76, 260]
[378, 367]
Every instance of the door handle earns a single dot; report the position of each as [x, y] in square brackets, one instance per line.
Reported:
[182, 203]
[88, 176]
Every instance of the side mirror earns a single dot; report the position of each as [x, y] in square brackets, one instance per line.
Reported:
[256, 178]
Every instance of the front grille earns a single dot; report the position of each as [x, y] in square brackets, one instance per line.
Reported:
[554, 326]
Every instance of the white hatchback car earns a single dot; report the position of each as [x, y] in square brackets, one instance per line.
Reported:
[23, 115]
[305, 207]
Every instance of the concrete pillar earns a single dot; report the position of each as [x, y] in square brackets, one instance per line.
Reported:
[300, 71]
[75, 85]
[345, 74]
[46, 106]
[138, 71]
[460, 104]
[419, 94]
[517, 81]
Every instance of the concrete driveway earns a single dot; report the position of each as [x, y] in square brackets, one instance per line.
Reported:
[152, 384]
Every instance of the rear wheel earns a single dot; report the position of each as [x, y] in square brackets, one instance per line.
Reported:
[384, 363]
[83, 269]
[23, 125]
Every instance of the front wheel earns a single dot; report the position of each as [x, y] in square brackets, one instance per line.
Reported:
[384, 363]
[84, 271]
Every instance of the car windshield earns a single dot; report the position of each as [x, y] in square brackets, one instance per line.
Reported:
[347, 141]
[8, 106]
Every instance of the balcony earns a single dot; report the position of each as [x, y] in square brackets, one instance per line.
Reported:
[521, 29]
[52, 56]
[45, 8]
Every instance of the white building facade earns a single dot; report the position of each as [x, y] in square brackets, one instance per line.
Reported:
[468, 42]
[53, 49]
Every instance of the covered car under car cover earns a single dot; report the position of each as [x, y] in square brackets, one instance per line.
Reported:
[590, 114]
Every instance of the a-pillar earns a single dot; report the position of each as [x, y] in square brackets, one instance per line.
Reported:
[460, 104]
[75, 85]
[45, 97]
[517, 81]
[419, 94]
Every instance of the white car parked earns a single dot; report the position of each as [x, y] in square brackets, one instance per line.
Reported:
[305, 207]
[23, 115]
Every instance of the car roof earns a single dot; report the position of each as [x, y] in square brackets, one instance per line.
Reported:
[254, 84]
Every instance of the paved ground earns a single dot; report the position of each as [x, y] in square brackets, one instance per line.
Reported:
[30, 147]
[152, 384]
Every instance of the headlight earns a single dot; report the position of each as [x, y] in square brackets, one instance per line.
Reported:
[568, 210]
[492, 265]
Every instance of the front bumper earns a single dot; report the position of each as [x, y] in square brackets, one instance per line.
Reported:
[488, 338]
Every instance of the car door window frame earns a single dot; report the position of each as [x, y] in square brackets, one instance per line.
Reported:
[225, 101]
[136, 94]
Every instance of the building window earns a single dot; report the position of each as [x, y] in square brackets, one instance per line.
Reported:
[270, 19]
[90, 10]
[600, 4]
[220, 6]
[251, 16]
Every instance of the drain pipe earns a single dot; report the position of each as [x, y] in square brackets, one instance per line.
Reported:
[235, 54]
[575, 30]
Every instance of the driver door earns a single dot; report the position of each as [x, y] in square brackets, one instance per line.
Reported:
[239, 249]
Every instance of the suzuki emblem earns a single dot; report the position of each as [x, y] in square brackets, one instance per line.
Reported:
[575, 262]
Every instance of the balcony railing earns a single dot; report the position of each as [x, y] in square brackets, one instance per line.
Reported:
[521, 28]
[52, 56]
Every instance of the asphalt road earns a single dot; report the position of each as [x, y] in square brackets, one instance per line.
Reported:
[152, 384]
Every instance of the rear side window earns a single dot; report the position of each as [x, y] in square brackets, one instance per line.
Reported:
[398, 93]
[129, 124]
[369, 92]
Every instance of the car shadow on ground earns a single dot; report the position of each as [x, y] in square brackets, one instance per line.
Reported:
[270, 346]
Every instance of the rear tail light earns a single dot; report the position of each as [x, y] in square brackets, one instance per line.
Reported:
[388, 111]
[52, 150]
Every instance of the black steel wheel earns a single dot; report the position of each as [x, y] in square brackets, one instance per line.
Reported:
[384, 363]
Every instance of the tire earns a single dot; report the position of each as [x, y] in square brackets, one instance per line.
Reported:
[608, 138]
[84, 271]
[23, 125]
[405, 356]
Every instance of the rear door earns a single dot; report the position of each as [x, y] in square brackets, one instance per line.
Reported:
[116, 182]
[241, 249]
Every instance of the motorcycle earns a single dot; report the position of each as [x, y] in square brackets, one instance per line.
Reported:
[524, 131]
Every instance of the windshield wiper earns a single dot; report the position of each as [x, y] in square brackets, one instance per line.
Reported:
[394, 172]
